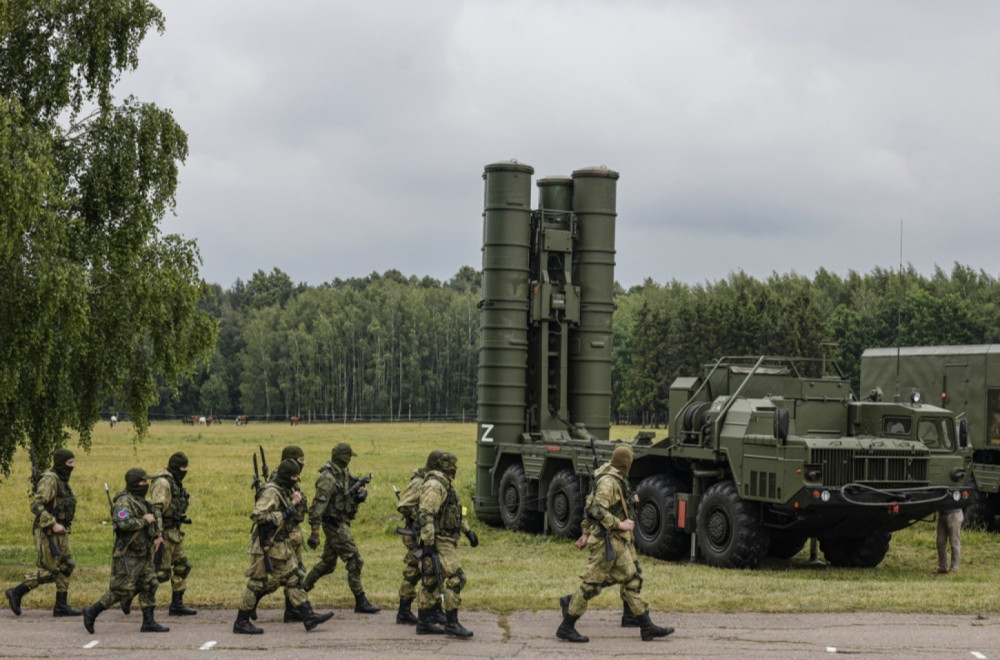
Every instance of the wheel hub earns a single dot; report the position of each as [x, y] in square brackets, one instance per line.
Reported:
[719, 529]
[649, 519]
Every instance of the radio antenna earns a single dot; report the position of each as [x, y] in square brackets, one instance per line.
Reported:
[899, 309]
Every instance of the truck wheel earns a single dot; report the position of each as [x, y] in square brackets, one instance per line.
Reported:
[656, 530]
[980, 514]
[856, 551]
[563, 505]
[515, 501]
[730, 531]
[785, 545]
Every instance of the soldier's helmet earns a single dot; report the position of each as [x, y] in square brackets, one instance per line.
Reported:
[341, 453]
[433, 459]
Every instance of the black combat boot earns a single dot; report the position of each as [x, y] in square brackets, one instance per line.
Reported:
[426, 624]
[126, 605]
[453, 627]
[14, 596]
[362, 606]
[61, 608]
[567, 629]
[405, 615]
[649, 630]
[311, 619]
[243, 625]
[149, 624]
[437, 613]
[177, 606]
[90, 615]
[628, 619]
[291, 614]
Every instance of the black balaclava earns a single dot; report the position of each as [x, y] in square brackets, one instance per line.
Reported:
[59, 458]
[132, 479]
[341, 454]
[177, 461]
[286, 470]
[295, 452]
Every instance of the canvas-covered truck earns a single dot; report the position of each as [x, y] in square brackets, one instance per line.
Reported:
[963, 379]
[762, 453]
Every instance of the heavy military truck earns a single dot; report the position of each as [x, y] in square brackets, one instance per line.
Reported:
[963, 379]
[762, 453]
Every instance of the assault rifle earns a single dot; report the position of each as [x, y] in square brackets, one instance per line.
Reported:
[258, 483]
[35, 477]
[358, 485]
[265, 536]
[117, 545]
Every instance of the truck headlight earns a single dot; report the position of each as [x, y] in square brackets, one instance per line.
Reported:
[956, 496]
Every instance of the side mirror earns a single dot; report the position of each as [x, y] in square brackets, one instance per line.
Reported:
[963, 433]
[780, 429]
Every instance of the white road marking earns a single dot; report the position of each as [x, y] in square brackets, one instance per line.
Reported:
[207, 646]
[978, 655]
[831, 649]
[90, 645]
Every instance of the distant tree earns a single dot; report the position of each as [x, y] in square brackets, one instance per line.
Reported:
[215, 395]
[96, 302]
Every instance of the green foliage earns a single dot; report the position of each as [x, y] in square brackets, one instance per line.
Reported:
[97, 303]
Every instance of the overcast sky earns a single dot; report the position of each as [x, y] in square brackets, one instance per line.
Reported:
[334, 139]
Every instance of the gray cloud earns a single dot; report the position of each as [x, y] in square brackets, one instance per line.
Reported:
[333, 139]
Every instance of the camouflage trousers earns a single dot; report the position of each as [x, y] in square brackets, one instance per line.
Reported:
[602, 573]
[287, 573]
[451, 573]
[411, 569]
[174, 564]
[51, 569]
[132, 574]
[339, 544]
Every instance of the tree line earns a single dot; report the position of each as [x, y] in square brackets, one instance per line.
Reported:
[389, 347]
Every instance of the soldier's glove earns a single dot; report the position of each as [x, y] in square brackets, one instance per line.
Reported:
[289, 512]
[473, 539]
[185, 520]
[313, 541]
[360, 495]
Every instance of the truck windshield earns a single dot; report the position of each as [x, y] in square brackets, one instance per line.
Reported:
[937, 433]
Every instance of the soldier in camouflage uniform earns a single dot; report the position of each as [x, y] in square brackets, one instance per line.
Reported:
[439, 524]
[273, 562]
[54, 506]
[137, 538]
[295, 539]
[170, 503]
[334, 509]
[608, 516]
[407, 507]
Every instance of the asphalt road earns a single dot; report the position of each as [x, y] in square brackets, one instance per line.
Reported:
[519, 635]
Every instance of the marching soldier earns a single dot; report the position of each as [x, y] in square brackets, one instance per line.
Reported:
[273, 562]
[170, 503]
[137, 538]
[607, 534]
[407, 507]
[295, 539]
[439, 523]
[54, 506]
[335, 506]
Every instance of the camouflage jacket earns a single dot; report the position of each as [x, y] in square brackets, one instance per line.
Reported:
[439, 513]
[135, 533]
[607, 505]
[269, 516]
[332, 505]
[53, 501]
[169, 500]
[410, 498]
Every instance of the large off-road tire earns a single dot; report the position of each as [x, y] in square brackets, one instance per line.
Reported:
[730, 531]
[563, 505]
[866, 551]
[785, 545]
[656, 531]
[980, 515]
[517, 510]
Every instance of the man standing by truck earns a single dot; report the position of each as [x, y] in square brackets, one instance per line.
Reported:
[949, 529]
[607, 534]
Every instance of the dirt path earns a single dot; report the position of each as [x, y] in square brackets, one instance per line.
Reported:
[519, 635]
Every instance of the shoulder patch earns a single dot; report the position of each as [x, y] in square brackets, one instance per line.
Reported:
[123, 514]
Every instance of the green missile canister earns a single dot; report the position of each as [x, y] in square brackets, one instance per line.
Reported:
[594, 202]
[503, 320]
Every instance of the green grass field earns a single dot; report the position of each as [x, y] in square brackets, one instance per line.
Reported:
[507, 572]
